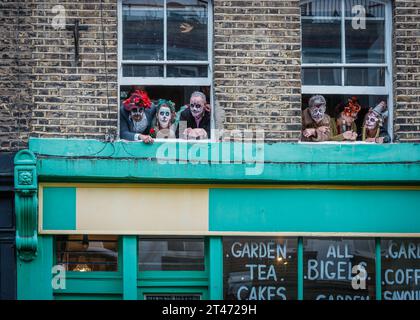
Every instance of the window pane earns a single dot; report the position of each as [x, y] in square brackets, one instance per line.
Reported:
[257, 268]
[328, 8]
[373, 9]
[187, 30]
[87, 253]
[143, 30]
[316, 46]
[328, 268]
[321, 76]
[400, 269]
[136, 70]
[364, 77]
[183, 71]
[171, 255]
[365, 45]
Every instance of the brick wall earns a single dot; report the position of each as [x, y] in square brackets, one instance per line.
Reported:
[15, 74]
[257, 67]
[256, 70]
[406, 28]
[43, 85]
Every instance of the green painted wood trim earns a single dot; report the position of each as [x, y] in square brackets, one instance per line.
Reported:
[300, 270]
[94, 285]
[91, 160]
[129, 266]
[276, 152]
[173, 283]
[168, 275]
[34, 278]
[378, 287]
[216, 268]
[59, 206]
[288, 210]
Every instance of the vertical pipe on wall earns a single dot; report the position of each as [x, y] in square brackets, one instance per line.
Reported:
[129, 267]
[378, 269]
[300, 268]
[215, 268]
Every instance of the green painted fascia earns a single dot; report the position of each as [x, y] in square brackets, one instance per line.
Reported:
[92, 160]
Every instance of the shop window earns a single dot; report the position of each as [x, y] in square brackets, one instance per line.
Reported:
[400, 264]
[87, 253]
[165, 49]
[173, 254]
[346, 52]
[339, 269]
[257, 268]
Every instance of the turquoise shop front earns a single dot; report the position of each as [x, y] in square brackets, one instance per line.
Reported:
[185, 221]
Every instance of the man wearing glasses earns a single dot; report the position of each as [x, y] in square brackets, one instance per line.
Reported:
[194, 121]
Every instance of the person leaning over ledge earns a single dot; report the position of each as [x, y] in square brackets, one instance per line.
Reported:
[194, 120]
[316, 124]
[137, 113]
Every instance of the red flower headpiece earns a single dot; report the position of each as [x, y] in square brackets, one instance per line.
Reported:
[352, 107]
[138, 98]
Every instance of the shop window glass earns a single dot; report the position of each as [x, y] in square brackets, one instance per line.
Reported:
[257, 268]
[87, 253]
[400, 264]
[171, 254]
[339, 269]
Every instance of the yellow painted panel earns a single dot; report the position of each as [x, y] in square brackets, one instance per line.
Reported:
[145, 209]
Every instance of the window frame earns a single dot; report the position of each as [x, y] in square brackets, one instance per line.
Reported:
[173, 81]
[386, 90]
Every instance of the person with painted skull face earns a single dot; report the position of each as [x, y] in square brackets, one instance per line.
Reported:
[373, 129]
[165, 120]
[137, 113]
[194, 121]
[345, 128]
[316, 124]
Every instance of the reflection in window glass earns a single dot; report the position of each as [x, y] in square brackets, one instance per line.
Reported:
[330, 266]
[171, 254]
[400, 269]
[143, 30]
[187, 30]
[364, 76]
[87, 253]
[318, 8]
[365, 45]
[373, 9]
[316, 46]
[138, 70]
[257, 268]
[321, 76]
[186, 71]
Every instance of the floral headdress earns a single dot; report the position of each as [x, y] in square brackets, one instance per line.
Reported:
[352, 107]
[138, 99]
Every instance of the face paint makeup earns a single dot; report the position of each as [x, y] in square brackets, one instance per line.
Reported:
[164, 117]
[371, 121]
[317, 112]
[196, 110]
[137, 114]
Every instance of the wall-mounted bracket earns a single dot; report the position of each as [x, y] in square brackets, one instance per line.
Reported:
[26, 205]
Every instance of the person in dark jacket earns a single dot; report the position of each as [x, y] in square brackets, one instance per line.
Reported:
[194, 121]
[137, 113]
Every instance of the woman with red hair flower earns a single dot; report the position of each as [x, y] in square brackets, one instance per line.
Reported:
[137, 113]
